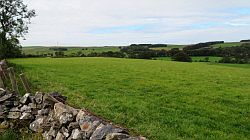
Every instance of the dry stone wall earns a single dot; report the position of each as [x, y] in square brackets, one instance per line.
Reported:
[49, 115]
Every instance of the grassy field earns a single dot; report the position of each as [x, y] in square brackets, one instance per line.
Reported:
[39, 50]
[158, 99]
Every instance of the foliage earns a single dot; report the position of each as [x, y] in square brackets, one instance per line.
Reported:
[182, 57]
[138, 52]
[173, 51]
[58, 49]
[40, 50]
[194, 59]
[239, 54]
[59, 54]
[9, 47]
[149, 45]
[201, 45]
[112, 54]
[158, 99]
[14, 20]
[247, 40]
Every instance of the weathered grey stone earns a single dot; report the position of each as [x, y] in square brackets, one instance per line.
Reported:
[14, 115]
[9, 103]
[32, 99]
[136, 138]
[65, 132]
[66, 117]
[25, 98]
[60, 136]
[46, 105]
[88, 124]
[15, 109]
[5, 124]
[73, 125]
[52, 132]
[34, 112]
[77, 134]
[12, 125]
[26, 108]
[60, 108]
[37, 125]
[39, 106]
[49, 99]
[32, 105]
[116, 136]
[2, 115]
[39, 97]
[81, 114]
[3, 110]
[102, 130]
[51, 117]
[55, 119]
[6, 97]
[43, 112]
[26, 116]
[16, 103]
[46, 136]
[2, 107]
[2, 92]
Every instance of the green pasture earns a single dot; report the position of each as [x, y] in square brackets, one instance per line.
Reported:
[40, 50]
[157, 99]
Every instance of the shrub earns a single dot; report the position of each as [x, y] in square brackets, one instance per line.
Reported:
[182, 57]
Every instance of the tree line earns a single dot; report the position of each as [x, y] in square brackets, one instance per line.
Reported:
[14, 20]
[234, 54]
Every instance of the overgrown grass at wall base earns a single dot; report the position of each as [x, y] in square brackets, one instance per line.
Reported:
[158, 99]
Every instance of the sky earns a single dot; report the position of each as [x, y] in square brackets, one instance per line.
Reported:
[124, 22]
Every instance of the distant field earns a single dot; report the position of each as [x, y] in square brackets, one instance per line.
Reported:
[158, 99]
[227, 44]
[39, 50]
[169, 47]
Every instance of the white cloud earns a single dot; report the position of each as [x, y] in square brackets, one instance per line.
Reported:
[82, 22]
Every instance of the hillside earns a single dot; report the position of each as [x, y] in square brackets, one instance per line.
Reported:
[158, 99]
[39, 50]
[227, 44]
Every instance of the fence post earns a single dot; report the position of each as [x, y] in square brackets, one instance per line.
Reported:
[13, 79]
[25, 83]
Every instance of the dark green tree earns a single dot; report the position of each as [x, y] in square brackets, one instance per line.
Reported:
[182, 57]
[14, 20]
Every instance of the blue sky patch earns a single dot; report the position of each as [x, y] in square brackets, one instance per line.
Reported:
[117, 29]
[240, 10]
